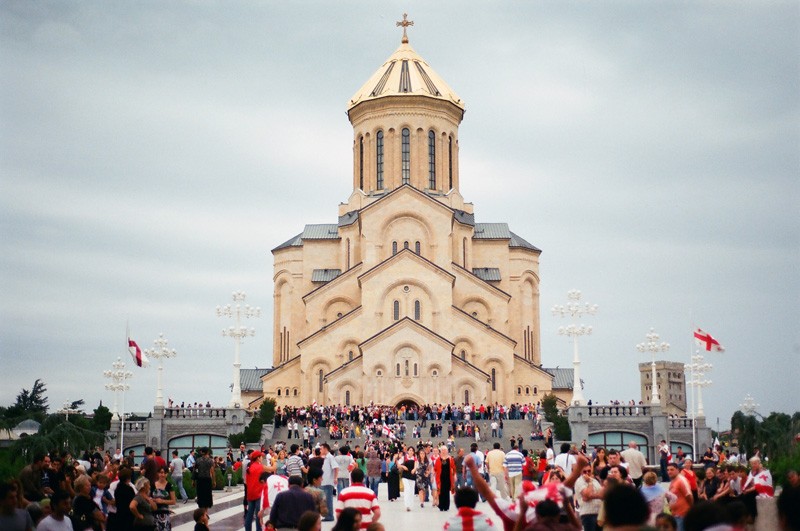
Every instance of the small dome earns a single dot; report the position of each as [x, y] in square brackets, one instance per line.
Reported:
[405, 73]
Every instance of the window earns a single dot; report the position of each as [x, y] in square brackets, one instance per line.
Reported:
[463, 354]
[407, 367]
[494, 376]
[415, 370]
[361, 163]
[450, 160]
[406, 156]
[347, 398]
[519, 390]
[379, 373]
[294, 391]
[394, 248]
[535, 390]
[187, 443]
[464, 250]
[320, 375]
[617, 440]
[434, 373]
[279, 392]
[379, 160]
[527, 390]
[417, 311]
[398, 370]
[431, 160]
[466, 396]
[405, 245]
[350, 356]
[396, 310]
[417, 247]
[348, 253]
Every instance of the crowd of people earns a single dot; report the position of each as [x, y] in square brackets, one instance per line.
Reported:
[291, 486]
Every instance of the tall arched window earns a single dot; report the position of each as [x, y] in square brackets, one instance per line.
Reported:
[464, 252]
[396, 310]
[494, 381]
[320, 375]
[417, 311]
[406, 368]
[450, 160]
[405, 150]
[405, 245]
[398, 370]
[379, 159]
[431, 160]
[415, 370]
[279, 392]
[350, 356]
[348, 253]
[394, 248]
[347, 398]
[466, 396]
[464, 355]
[417, 247]
[361, 163]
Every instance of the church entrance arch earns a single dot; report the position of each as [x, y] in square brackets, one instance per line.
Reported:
[408, 403]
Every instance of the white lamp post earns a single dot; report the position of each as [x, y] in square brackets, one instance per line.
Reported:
[653, 347]
[238, 332]
[575, 309]
[160, 352]
[749, 407]
[118, 377]
[697, 370]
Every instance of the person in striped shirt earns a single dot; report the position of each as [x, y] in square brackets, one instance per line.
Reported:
[513, 463]
[359, 497]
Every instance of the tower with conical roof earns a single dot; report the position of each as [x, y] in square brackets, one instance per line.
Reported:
[406, 298]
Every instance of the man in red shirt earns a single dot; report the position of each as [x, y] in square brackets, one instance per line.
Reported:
[679, 486]
[254, 489]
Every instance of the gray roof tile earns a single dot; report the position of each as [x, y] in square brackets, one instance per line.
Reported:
[489, 274]
[562, 378]
[294, 241]
[325, 275]
[348, 219]
[464, 217]
[517, 241]
[250, 379]
[322, 231]
[492, 231]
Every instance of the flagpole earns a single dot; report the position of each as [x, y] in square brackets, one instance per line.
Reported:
[691, 381]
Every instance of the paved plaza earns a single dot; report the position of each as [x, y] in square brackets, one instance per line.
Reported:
[226, 515]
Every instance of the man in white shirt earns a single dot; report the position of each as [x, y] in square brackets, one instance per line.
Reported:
[565, 460]
[176, 467]
[330, 469]
[636, 463]
[58, 519]
[551, 455]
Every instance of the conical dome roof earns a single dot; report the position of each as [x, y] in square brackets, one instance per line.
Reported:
[405, 73]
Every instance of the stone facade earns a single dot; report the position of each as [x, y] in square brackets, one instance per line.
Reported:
[671, 380]
[649, 422]
[166, 424]
[406, 297]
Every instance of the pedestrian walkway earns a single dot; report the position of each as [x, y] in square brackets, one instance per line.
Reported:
[226, 515]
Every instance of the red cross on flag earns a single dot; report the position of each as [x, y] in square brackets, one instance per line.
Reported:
[136, 353]
[708, 343]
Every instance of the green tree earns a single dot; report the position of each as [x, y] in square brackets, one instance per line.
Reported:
[29, 404]
[561, 428]
[102, 419]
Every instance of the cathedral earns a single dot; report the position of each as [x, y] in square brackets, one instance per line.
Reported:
[406, 298]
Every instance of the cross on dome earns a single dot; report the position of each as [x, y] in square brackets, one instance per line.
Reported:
[405, 23]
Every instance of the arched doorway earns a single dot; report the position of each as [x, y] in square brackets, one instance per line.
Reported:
[409, 404]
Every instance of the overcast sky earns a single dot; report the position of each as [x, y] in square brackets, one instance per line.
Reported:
[152, 153]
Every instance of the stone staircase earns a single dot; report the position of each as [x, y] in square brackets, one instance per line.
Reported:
[510, 427]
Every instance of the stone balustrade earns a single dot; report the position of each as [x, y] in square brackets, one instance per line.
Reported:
[619, 411]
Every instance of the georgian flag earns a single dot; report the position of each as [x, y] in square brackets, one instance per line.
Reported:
[708, 343]
[136, 353]
[762, 482]
[386, 431]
